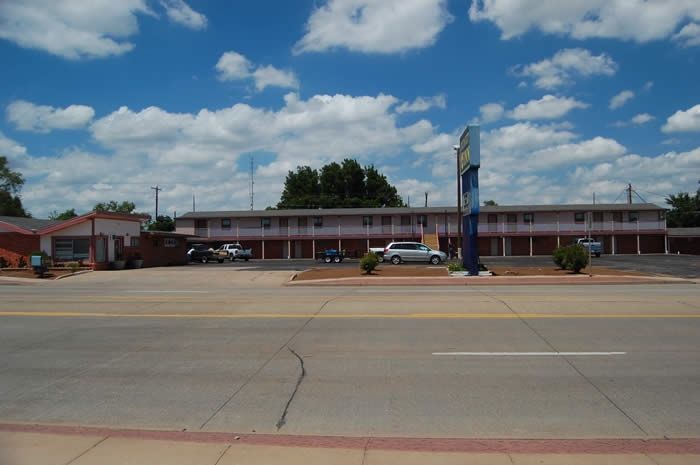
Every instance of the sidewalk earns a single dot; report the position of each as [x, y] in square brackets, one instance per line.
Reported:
[581, 279]
[36, 445]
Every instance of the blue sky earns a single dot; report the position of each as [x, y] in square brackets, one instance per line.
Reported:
[102, 100]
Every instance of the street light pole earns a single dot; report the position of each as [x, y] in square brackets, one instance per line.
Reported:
[459, 206]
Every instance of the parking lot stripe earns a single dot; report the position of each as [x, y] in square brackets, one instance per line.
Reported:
[531, 354]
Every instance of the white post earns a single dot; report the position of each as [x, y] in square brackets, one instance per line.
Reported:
[531, 238]
[612, 240]
[263, 249]
[504, 245]
[639, 250]
[289, 249]
[313, 248]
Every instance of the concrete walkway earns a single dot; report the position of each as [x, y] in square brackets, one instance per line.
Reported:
[55, 445]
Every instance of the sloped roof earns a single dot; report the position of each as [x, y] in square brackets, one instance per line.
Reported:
[28, 223]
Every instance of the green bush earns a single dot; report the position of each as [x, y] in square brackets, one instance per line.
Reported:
[573, 258]
[369, 262]
[455, 266]
[74, 266]
[559, 257]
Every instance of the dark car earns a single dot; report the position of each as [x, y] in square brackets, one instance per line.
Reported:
[204, 254]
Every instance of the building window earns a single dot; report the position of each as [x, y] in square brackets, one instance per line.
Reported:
[226, 223]
[386, 221]
[201, 224]
[72, 249]
[633, 217]
[135, 242]
[511, 218]
[662, 215]
[265, 223]
[318, 221]
[528, 218]
[422, 220]
[170, 242]
[367, 220]
[598, 217]
[579, 217]
[405, 220]
[617, 217]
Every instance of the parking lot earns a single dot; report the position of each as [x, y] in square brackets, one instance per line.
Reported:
[681, 266]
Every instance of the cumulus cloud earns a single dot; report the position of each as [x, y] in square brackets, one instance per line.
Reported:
[566, 65]
[374, 26]
[620, 99]
[232, 66]
[636, 120]
[27, 116]
[423, 104]
[180, 12]
[683, 121]
[76, 29]
[636, 20]
[11, 149]
[491, 112]
[689, 36]
[548, 107]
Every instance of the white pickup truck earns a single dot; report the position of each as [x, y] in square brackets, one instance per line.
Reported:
[595, 247]
[235, 251]
[379, 252]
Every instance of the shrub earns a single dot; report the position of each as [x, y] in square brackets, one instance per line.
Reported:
[576, 258]
[455, 266]
[3, 262]
[22, 262]
[74, 266]
[559, 257]
[369, 262]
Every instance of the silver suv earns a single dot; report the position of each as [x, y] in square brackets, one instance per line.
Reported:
[398, 252]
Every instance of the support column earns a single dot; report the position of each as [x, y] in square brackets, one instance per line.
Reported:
[504, 245]
[639, 251]
[612, 241]
[313, 249]
[666, 244]
[367, 245]
[558, 240]
[531, 246]
[263, 249]
[340, 247]
[289, 249]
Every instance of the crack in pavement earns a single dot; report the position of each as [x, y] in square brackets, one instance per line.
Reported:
[283, 419]
[569, 362]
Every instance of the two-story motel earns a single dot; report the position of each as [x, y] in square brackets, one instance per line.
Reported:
[503, 230]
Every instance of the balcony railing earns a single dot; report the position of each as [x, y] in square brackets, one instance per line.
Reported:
[416, 230]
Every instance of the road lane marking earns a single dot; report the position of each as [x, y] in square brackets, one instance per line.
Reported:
[405, 316]
[531, 354]
[167, 292]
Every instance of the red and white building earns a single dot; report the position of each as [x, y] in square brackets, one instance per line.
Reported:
[503, 230]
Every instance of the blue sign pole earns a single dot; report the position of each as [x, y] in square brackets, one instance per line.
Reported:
[469, 162]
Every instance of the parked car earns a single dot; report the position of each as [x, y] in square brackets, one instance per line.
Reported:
[379, 252]
[398, 252]
[204, 254]
[234, 251]
[596, 247]
[331, 255]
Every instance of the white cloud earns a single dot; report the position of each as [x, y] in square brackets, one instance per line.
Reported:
[374, 26]
[596, 149]
[423, 104]
[620, 99]
[648, 86]
[565, 65]
[642, 118]
[637, 20]
[491, 112]
[232, 66]
[266, 76]
[180, 12]
[11, 149]
[548, 107]
[684, 121]
[689, 36]
[76, 29]
[27, 116]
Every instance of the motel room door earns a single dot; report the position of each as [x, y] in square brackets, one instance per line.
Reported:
[118, 248]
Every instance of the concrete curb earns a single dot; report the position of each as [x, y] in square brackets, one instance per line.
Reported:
[72, 274]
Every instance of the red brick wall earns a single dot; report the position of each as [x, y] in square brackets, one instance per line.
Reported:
[520, 246]
[13, 246]
[544, 245]
[626, 244]
[154, 252]
[273, 249]
[686, 245]
[651, 244]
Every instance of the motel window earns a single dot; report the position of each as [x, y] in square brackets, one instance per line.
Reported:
[135, 242]
[72, 249]
[422, 220]
[201, 224]
[226, 223]
[579, 217]
[528, 218]
[617, 217]
[367, 220]
[633, 217]
[405, 220]
[511, 218]
[318, 221]
[265, 223]
[598, 217]
[170, 242]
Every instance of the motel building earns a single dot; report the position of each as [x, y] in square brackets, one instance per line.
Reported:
[503, 230]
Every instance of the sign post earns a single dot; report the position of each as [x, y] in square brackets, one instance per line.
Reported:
[469, 156]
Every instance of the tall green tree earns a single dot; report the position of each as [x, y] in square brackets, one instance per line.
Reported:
[490, 203]
[66, 215]
[685, 210]
[11, 183]
[336, 185]
[162, 223]
[115, 207]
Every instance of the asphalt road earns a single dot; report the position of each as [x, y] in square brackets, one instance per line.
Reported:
[144, 349]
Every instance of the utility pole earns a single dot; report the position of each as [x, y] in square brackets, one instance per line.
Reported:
[193, 209]
[629, 194]
[426, 200]
[459, 205]
[252, 183]
[157, 189]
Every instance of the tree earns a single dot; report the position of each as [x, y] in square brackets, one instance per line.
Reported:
[490, 203]
[66, 215]
[162, 223]
[11, 183]
[685, 210]
[114, 207]
[343, 185]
